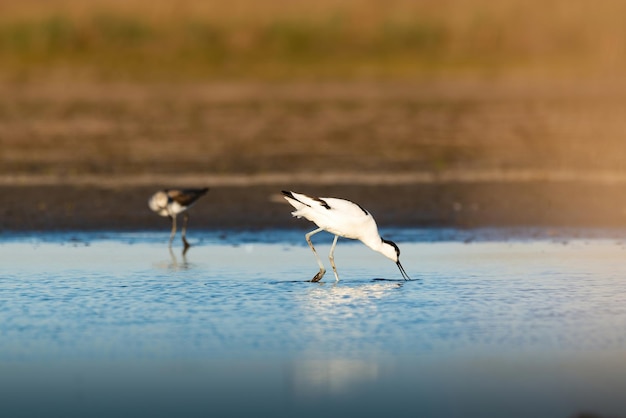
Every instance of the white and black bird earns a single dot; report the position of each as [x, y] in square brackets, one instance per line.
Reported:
[171, 202]
[343, 219]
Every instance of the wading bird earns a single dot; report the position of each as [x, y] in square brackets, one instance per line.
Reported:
[171, 202]
[343, 219]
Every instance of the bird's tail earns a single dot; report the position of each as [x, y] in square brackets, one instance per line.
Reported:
[293, 201]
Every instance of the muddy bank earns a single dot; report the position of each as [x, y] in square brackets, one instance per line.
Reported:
[462, 205]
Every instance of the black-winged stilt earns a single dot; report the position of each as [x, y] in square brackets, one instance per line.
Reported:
[171, 202]
[343, 219]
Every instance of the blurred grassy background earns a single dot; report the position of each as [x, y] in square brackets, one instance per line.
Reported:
[302, 39]
[116, 86]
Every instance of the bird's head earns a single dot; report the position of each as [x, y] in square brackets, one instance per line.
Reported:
[158, 202]
[391, 251]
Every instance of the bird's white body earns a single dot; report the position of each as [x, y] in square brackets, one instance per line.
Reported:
[339, 217]
[162, 204]
[342, 218]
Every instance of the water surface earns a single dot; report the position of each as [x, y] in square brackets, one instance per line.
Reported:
[113, 324]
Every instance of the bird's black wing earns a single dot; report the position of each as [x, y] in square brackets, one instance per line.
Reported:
[186, 197]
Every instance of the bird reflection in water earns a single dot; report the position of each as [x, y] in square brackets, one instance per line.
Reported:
[310, 377]
[174, 264]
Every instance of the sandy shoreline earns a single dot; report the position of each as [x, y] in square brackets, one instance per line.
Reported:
[327, 178]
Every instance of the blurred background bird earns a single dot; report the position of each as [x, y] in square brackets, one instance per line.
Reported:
[171, 202]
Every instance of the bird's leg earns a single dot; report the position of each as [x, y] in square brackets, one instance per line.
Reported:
[184, 232]
[320, 274]
[174, 260]
[173, 217]
[331, 257]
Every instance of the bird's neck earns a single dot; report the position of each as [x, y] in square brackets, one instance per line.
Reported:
[375, 243]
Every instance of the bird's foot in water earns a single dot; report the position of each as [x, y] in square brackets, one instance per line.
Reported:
[186, 246]
[318, 276]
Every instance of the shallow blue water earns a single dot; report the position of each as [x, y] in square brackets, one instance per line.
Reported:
[494, 324]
